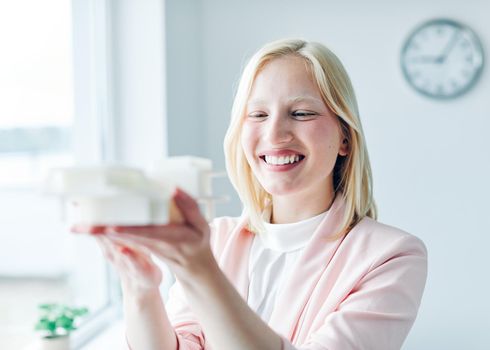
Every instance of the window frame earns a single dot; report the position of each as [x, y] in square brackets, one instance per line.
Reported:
[94, 121]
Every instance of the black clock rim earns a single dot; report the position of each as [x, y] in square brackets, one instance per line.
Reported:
[452, 22]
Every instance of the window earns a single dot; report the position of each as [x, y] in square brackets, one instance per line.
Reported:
[40, 261]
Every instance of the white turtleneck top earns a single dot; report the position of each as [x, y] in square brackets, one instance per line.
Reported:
[272, 256]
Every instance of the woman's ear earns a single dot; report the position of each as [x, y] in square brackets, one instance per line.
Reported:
[344, 147]
[344, 133]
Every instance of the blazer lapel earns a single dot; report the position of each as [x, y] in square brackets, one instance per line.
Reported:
[234, 259]
[304, 276]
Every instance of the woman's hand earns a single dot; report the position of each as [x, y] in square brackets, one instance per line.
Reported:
[136, 269]
[185, 247]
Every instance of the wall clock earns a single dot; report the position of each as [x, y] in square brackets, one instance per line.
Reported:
[442, 59]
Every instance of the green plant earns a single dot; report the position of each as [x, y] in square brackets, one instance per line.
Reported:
[58, 320]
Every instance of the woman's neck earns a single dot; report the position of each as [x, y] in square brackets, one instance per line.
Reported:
[301, 206]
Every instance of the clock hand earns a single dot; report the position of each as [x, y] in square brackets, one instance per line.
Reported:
[445, 53]
[425, 59]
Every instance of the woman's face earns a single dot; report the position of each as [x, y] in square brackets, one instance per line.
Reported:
[290, 137]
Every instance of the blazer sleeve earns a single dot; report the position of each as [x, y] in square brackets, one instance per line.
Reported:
[187, 328]
[380, 310]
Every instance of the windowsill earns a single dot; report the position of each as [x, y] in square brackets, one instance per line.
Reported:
[111, 338]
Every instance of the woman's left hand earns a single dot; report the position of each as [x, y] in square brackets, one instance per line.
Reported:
[185, 247]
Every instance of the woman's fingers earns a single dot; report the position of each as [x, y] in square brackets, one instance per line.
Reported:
[129, 247]
[190, 210]
[136, 261]
[147, 230]
[114, 254]
[93, 229]
[105, 248]
[167, 251]
[134, 265]
[129, 258]
[172, 233]
[164, 250]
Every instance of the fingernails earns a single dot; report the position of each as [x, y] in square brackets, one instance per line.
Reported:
[125, 250]
[93, 230]
[182, 195]
[74, 229]
[177, 194]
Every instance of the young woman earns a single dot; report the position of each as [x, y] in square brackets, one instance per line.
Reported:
[306, 266]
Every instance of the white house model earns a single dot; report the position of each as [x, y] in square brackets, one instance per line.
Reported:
[118, 195]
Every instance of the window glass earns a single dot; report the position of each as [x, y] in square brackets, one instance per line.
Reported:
[40, 261]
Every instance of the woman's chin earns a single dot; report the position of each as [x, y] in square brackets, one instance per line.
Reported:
[281, 190]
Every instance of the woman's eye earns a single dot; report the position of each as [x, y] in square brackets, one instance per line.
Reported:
[303, 114]
[257, 115]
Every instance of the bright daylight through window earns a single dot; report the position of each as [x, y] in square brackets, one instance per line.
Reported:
[40, 261]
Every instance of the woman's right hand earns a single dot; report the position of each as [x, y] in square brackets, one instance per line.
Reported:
[147, 323]
[137, 271]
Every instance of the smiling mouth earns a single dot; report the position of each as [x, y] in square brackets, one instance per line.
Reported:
[282, 160]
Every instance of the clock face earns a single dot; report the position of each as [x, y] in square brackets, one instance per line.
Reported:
[442, 59]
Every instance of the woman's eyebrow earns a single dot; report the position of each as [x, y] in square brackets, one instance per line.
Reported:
[256, 101]
[259, 101]
[306, 99]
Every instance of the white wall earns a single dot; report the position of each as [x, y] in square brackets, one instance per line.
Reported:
[185, 115]
[138, 58]
[430, 158]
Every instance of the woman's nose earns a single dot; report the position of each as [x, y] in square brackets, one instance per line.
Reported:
[278, 130]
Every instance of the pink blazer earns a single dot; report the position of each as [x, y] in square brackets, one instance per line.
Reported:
[359, 292]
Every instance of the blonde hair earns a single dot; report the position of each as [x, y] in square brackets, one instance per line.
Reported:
[352, 173]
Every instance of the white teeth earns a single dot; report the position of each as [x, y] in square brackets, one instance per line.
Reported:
[281, 160]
